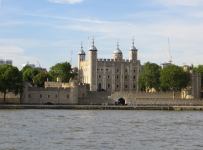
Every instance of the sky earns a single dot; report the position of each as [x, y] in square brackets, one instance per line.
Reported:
[48, 30]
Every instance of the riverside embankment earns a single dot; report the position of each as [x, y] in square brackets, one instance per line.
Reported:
[101, 107]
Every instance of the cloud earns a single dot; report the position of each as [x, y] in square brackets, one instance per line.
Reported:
[11, 50]
[66, 1]
[179, 2]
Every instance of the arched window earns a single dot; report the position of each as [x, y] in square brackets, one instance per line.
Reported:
[126, 86]
[134, 77]
[99, 76]
[108, 85]
[117, 86]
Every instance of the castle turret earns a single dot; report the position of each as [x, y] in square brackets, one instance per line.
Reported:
[117, 54]
[81, 57]
[93, 67]
[133, 52]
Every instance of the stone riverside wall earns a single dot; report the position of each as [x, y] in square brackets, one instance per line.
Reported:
[96, 98]
[10, 98]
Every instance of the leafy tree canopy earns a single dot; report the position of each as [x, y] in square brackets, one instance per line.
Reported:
[40, 78]
[149, 77]
[11, 80]
[62, 70]
[199, 69]
[30, 73]
[25, 68]
[174, 78]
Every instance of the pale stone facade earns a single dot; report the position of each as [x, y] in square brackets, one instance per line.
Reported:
[111, 75]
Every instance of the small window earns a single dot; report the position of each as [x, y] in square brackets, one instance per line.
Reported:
[67, 96]
[108, 76]
[134, 86]
[126, 86]
[29, 95]
[48, 96]
[99, 76]
[97, 69]
[125, 77]
[101, 69]
[117, 70]
[117, 77]
[40, 96]
[134, 70]
[106, 69]
[108, 85]
[134, 77]
[56, 96]
[126, 70]
[117, 86]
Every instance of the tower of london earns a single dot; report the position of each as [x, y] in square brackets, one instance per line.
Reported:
[111, 75]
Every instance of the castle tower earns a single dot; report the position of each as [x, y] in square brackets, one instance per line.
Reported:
[117, 54]
[133, 52]
[81, 57]
[93, 67]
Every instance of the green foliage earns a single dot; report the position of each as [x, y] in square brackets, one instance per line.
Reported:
[199, 69]
[25, 68]
[149, 77]
[174, 78]
[30, 73]
[40, 78]
[11, 80]
[62, 70]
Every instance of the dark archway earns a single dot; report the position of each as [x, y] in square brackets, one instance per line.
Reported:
[122, 101]
[99, 86]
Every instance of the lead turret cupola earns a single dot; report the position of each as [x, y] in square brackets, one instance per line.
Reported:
[93, 48]
[133, 51]
[117, 54]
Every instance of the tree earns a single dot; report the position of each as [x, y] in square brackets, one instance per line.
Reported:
[149, 77]
[199, 69]
[30, 73]
[25, 68]
[11, 80]
[174, 78]
[40, 78]
[62, 70]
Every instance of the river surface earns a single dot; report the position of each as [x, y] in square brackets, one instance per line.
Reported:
[101, 129]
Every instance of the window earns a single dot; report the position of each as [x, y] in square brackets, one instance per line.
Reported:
[56, 96]
[117, 86]
[40, 96]
[126, 86]
[48, 96]
[117, 77]
[126, 70]
[125, 77]
[99, 76]
[134, 77]
[29, 95]
[117, 70]
[97, 69]
[108, 85]
[134, 86]
[106, 69]
[134, 70]
[108, 76]
[67, 96]
[101, 69]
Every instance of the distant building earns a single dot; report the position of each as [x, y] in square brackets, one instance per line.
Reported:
[31, 65]
[164, 64]
[6, 61]
[42, 70]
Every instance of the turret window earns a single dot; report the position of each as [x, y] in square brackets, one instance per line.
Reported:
[117, 70]
[134, 77]
[134, 86]
[126, 70]
[106, 69]
[117, 77]
[108, 85]
[108, 76]
[126, 86]
[134, 70]
[101, 69]
[117, 86]
[99, 76]
[126, 77]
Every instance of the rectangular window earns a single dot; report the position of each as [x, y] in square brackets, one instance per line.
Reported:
[117, 70]
[29, 95]
[126, 86]
[108, 85]
[117, 77]
[117, 86]
[108, 76]
[67, 96]
[125, 77]
[134, 86]
[106, 69]
[101, 69]
[56, 96]
[48, 96]
[40, 96]
[134, 77]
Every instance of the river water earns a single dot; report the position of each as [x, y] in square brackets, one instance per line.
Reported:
[101, 129]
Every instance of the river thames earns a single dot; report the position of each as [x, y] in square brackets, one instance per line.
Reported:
[100, 129]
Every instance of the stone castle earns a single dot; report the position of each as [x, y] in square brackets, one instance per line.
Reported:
[105, 81]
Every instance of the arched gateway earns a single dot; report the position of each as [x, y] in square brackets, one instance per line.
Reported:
[122, 101]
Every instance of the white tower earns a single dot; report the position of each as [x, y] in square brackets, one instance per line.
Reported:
[81, 57]
[133, 52]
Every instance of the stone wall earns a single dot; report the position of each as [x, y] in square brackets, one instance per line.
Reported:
[10, 98]
[96, 98]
